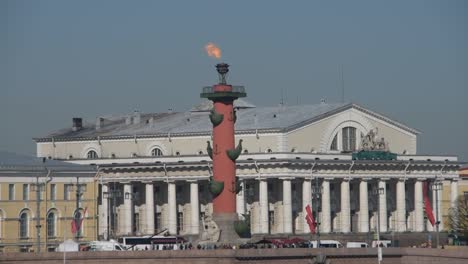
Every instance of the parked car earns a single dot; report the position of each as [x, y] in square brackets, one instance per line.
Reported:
[357, 245]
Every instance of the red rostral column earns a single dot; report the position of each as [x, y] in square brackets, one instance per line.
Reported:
[223, 152]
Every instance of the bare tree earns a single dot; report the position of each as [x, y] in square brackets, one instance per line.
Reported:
[458, 216]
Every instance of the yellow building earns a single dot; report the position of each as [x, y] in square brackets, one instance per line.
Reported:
[39, 200]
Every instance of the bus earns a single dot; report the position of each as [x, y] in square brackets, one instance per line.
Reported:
[153, 242]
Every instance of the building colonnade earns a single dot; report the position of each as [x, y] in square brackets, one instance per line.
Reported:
[277, 205]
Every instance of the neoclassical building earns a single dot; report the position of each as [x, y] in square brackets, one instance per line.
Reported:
[153, 170]
[39, 200]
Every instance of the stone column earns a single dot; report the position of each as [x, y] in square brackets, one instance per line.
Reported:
[418, 206]
[401, 206]
[240, 201]
[439, 207]
[383, 207]
[172, 203]
[287, 206]
[149, 207]
[194, 206]
[326, 214]
[128, 212]
[345, 207]
[306, 200]
[263, 186]
[453, 193]
[104, 214]
[363, 207]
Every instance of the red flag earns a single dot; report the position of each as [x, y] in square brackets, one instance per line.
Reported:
[427, 204]
[73, 226]
[82, 218]
[77, 224]
[310, 219]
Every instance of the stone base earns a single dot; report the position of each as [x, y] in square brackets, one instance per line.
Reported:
[225, 222]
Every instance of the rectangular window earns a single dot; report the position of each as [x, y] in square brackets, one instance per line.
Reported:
[349, 139]
[158, 221]
[11, 192]
[67, 191]
[25, 192]
[271, 219]
[180, 222]
[53, 192]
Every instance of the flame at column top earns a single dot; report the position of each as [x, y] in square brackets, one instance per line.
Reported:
[213, 51]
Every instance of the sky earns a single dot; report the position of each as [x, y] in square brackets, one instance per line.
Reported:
[407, 60]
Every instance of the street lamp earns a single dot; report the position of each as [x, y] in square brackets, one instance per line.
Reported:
[80, 189]
[38, 187]
[436, 187]
[316, 194]
[377, 192]
[111, 196]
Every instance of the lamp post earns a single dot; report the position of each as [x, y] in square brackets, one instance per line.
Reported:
[436, 187]
[317, 192]
[80, 189]
[377, 192]
[38, 187]
[111, 196]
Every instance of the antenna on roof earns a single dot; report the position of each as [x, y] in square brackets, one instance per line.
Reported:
[342, 84]
[282, 98]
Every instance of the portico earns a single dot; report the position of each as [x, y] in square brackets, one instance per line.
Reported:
[275, 191]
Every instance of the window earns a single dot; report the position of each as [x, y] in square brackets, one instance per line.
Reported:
[158, 221]
[53, 192]
[24, 225]
[180, 222]
[271, 218]
[11, 192]
[51, 220]
[92, 154]
[156, 152]
[25, 192]
[67, 191]
[78, 218]
[334, 144]
[349, 139]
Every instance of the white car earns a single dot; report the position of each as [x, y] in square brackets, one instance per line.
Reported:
[110, 245]
[357, 245]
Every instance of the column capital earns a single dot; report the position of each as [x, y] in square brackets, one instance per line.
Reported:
[192, 181]
[421, 179]
[147, 182]
[286, 178]
[366, 179]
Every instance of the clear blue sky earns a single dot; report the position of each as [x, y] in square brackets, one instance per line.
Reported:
[63, 59]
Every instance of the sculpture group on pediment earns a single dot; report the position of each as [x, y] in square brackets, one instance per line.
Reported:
[372, 142]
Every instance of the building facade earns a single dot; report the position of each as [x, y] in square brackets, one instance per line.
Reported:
[39, 201]
[154, 170]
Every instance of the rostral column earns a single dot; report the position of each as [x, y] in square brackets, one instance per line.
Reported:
[224, 153]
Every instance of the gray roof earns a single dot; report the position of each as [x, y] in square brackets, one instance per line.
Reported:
[10, 160]
[196, 121]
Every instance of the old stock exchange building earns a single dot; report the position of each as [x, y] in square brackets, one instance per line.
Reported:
[153, 170]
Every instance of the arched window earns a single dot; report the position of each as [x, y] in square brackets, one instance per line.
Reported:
[156, 152]
[77, 224]
[349, 139]
[51, 224]
[334, 144]
[1, 222]
[92, 154]
[24, 225]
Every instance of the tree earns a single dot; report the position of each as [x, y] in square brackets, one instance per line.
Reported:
[458, 217]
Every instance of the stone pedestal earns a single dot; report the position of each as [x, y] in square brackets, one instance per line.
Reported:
[225, 222]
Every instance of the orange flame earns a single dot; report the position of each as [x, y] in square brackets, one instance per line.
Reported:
[213, 50]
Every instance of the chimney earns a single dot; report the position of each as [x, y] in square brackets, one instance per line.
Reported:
[99, 123]
[77, 123]
[136, 117]
[128, 120]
